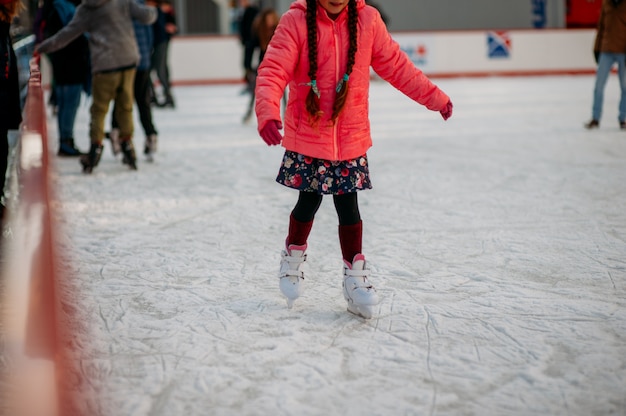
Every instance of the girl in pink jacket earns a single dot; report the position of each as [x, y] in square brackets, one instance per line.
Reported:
[323, 50]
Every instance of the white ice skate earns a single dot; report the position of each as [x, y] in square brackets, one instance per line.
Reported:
[357, 290]
[291, 275]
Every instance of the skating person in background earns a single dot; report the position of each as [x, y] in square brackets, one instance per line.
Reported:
[263, 29]
[247, 38]
[10, 105]
[70, 70]
[164, 28]
[610, 49]
[142, 90]
[323, 49]
[114, 58]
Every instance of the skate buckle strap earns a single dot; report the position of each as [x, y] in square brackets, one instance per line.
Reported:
[357, 273]
[294, 263]
[292, 273]
[359, 277]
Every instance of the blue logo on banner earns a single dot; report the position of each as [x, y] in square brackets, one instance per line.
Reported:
[417, 53]
[540, 17]
[499, 44]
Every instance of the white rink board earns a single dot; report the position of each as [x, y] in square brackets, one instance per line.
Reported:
[215, 59]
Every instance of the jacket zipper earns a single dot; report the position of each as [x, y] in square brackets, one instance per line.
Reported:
[337, 45]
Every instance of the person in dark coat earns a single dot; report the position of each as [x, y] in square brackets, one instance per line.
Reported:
[114, 58]
[164, 29]
[10, 104]
[70, 70]
[247, 38]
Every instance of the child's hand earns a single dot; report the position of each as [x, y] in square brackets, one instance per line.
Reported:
[446, 113]
[270, 133]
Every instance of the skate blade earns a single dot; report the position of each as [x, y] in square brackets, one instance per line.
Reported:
[290, 290]
[364, 311]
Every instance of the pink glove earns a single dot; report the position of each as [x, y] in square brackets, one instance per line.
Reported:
[270, 133]
[446, 113]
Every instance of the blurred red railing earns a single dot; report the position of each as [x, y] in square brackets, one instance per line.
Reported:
[35, 336]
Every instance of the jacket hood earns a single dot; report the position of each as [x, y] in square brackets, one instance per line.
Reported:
[301, 4]
[94, 3]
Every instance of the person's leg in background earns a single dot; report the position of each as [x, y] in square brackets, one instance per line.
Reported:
[103, 89]
[123, 113]
[68, 100]
[4, 162]
[142, 98]
[621, 73]
[605, 62]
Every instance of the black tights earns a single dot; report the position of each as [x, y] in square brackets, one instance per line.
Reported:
[346, 205]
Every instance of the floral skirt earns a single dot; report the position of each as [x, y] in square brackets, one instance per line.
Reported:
[309, 174]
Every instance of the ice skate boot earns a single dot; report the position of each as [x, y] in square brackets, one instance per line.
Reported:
[91, 159]
[291, 275]
[357, 290]
[128, 152]
[150, 147]
[68, 148]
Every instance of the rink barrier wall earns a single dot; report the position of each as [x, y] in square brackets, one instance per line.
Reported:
[205, 60]
[36, 340]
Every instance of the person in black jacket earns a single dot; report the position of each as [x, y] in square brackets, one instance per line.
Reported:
[70, 70]
[247, 38]
[10, 105]
[164, 29]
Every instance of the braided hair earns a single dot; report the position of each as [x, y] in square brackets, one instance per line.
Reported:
[313, 98]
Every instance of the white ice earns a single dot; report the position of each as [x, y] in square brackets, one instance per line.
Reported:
[497, 243]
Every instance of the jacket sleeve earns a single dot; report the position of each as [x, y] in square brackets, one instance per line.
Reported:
[276, 70]
[146, 15]
[63, 37]
[395, 67]
[598, 43]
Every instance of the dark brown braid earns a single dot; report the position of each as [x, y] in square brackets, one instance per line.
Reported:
[312, 100]
[342, 93]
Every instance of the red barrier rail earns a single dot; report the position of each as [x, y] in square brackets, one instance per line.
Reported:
[34, 333]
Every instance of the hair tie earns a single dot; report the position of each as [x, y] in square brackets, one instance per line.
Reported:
[345, 79]
[313, 85]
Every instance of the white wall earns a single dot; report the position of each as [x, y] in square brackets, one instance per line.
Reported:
[217, 59]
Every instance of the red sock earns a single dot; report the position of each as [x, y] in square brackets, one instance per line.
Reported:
[350, 239]
[298, 231]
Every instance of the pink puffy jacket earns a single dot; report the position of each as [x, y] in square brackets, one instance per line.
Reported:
[286, 62]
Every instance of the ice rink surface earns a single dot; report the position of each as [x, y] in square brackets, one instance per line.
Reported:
[497, 243]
